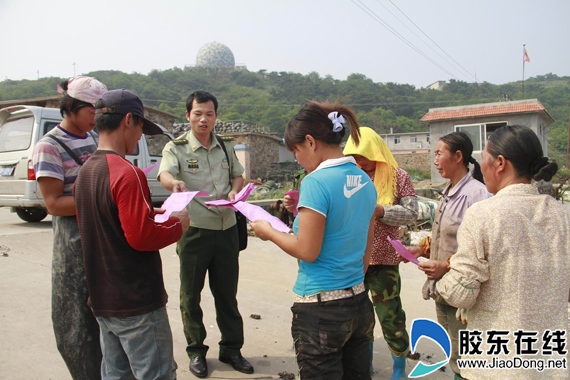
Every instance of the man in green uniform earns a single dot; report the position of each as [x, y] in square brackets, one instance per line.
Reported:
[196, 161]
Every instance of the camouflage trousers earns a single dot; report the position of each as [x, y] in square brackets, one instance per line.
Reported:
[75, 327]
[384, 284]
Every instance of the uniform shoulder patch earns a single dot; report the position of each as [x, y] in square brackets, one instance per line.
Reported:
[180, 141]
[227, 138]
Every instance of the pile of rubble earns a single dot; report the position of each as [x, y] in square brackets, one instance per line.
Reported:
[234, 126]
[179, 129]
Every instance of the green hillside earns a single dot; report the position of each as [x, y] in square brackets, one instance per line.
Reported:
[271, 98]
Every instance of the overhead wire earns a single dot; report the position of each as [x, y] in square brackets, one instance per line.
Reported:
[435, 43]
[428, 45]
[347, 104]
[380, 21]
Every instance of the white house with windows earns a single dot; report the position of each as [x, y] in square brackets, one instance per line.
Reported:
[414, 142]
[478, 121]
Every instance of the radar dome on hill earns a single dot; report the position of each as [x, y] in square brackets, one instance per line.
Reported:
[215, 54]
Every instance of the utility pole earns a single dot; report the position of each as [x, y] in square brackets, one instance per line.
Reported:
[74, 75]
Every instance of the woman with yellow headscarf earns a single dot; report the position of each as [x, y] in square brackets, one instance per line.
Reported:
[396, 205]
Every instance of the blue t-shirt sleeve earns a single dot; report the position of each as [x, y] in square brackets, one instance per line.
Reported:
[314, 196]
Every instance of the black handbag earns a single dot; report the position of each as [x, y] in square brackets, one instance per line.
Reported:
[241, 221]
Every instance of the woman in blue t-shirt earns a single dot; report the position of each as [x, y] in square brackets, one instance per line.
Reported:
[333, 318]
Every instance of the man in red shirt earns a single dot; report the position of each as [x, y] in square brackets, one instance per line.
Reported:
[120, 242]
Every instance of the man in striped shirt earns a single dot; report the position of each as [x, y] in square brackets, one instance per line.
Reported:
[57, 158]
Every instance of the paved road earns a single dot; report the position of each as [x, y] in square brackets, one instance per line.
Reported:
[27, 344]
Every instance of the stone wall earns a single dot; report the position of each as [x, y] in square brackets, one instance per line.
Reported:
[52, 103]
[420, 161]
[282, 172]
[158, 117]
[264, 150]
[156, 143]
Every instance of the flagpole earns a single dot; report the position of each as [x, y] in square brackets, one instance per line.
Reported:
[568, 147]
[523, 72]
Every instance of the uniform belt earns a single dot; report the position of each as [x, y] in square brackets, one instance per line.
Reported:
[332, 295]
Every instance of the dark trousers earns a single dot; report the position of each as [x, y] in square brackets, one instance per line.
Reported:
[332, 339]
[76, 329]
[384, 283]
[216, 252]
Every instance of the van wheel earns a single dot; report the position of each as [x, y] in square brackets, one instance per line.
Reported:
[32, 215]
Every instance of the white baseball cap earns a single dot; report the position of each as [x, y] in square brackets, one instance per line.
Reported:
[86, 89]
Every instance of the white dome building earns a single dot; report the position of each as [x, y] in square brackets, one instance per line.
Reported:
[215, 54]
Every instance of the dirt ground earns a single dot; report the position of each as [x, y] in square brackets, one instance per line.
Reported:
[27, 344]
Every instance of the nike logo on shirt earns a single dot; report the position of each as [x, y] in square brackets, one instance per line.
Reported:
[351, 181]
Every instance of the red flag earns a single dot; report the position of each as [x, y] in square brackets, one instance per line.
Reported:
[526, 58]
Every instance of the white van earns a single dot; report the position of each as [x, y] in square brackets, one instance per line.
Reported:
[21, 127]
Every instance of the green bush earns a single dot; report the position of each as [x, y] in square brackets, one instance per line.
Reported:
[260, 194]
[418, 174]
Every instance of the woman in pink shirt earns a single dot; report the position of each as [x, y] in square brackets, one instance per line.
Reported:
[452, 158]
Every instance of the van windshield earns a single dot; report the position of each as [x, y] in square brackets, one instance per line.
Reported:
[16, 134]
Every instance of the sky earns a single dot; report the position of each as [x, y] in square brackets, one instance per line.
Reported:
[479, 39]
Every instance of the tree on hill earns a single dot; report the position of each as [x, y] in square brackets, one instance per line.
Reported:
[272, 98]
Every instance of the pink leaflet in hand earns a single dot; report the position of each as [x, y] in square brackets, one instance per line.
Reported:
[177, 202]
[222, 202]
[147, 170]
[402, 251]
[245, 192]
[240, 197]
[253, 212]
[294, 194]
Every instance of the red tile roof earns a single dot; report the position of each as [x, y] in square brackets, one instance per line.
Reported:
[484, 110]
